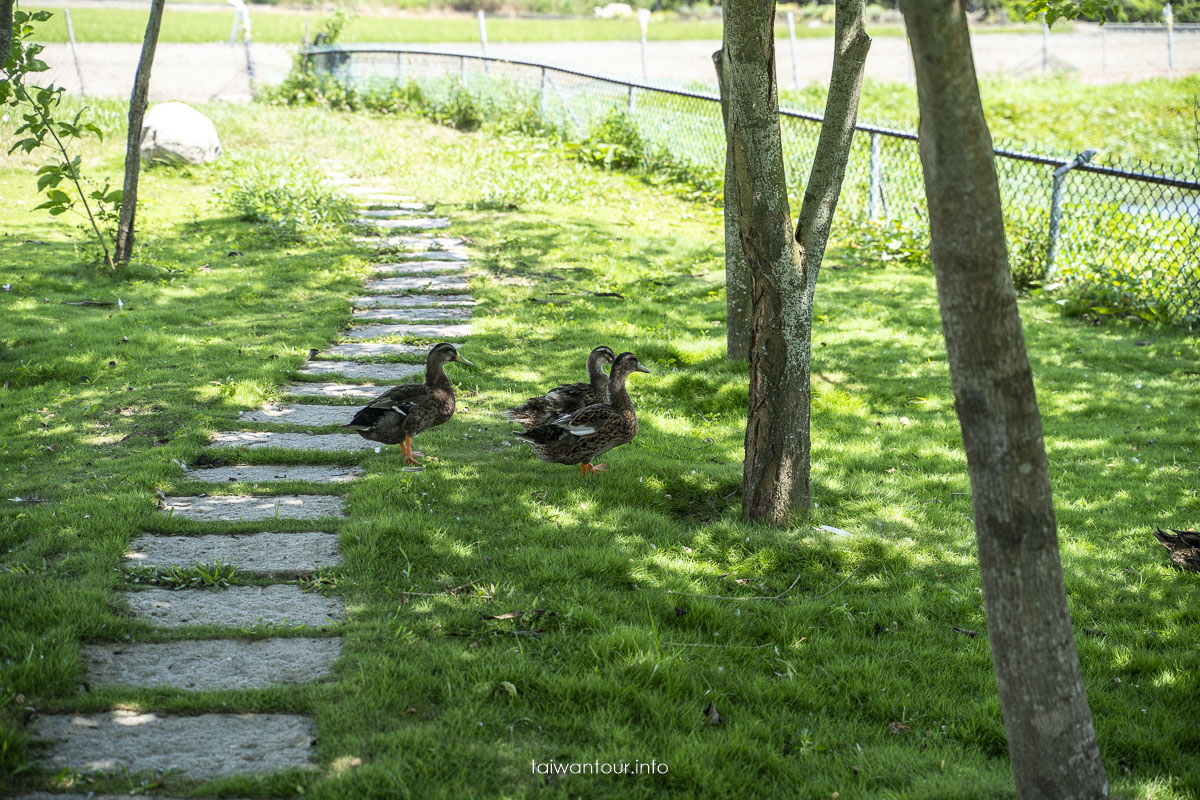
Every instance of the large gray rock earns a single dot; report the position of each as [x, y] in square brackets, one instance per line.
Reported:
[179, 134]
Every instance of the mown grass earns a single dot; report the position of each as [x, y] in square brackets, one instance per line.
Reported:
[282, 26]
[605, 664]
[1151, 120]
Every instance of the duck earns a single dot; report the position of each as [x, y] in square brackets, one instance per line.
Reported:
[568, 398]
[403, 411]
[1183, 547]
[584, 435]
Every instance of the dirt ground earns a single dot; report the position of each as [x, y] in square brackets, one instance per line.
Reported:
[218, 71]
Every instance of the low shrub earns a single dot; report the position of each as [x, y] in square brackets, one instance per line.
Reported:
[286, 198]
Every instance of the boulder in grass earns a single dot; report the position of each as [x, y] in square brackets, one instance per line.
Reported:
[176, 133]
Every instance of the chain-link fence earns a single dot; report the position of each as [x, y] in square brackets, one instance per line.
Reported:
[1129, 238]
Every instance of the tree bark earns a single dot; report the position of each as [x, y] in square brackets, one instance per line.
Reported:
[6, 29]
[737, 281]
[782, 272]
[133, 140]
[1051, 742]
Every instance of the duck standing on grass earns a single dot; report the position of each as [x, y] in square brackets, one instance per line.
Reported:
[568, 398]
[590, 432]
[403, 411]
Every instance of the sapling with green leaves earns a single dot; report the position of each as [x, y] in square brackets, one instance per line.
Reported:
[39, 108]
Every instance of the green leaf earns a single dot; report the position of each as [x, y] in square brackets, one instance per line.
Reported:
[58, 196]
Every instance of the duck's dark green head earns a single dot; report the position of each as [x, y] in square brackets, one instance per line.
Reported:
[627, 363]
[444, 353]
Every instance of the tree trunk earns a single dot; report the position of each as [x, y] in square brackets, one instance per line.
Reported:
[1051, 742]
[737, 281]
[782, 273]
[6, 29]
[133, 141]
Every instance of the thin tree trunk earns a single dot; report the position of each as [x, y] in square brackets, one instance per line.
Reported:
[1051, 742]
[6, 25]
[782, 273]
[133, 141]
[737, 281]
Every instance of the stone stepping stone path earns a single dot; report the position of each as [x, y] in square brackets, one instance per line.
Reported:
[413, 314]
[422, 293]
[415, 301]
[334, 390]
[299, 415]
[399, 268]
[225, 508]
[206, 745]
[279, 604]
[279, 555]
[413, 283]
[399, 210]
[212, 664]
[263, 474]
[322, 442]
[457, 254]
[354, 369]
[409, 223]
[360, 333]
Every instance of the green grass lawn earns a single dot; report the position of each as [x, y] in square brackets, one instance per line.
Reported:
[98, 403]
[286, 26]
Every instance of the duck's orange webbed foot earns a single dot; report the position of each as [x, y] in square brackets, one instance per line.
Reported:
[586, 468]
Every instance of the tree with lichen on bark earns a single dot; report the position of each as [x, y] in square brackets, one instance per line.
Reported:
[1051, 741]
[780, 268]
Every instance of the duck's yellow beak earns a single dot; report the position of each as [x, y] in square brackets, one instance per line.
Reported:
[458, 357]
[640, 368]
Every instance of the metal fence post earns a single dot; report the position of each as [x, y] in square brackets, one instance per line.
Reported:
[1169, 18]
[399, 68]
[632, 102]
[542, 94]
[1045, 48]
[791, 21]
[462, 70]
[74, 52]
[875, 189]
[1056, 201]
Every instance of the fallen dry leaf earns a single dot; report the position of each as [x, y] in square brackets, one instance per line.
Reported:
[898, 728]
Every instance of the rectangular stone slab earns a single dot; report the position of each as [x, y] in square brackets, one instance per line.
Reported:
[269, 473]
[376, 192]
[347, 390]
[235, 607]
[414, 352]
[352, 369]
[420, 254]
[398, 210]
[375, 349]
[211, 664]
[413, 314]
[204, 746]
[224, 508]
[418, 267]
[324, 442]
[299, 414]
[415, 242]
[415, 301]
[440, 332]
[275, 554]
[410, 223]
[418, 283]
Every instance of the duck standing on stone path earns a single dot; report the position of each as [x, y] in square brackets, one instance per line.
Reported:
[403, 411]
[568, 398]
[590, 432]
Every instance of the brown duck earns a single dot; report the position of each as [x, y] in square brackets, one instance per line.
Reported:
[568, 398]
[1183, 547]
[403, 411]
[590, 432]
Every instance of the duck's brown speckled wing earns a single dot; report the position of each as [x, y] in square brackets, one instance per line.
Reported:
[556, 403]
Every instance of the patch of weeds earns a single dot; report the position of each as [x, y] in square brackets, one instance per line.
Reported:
[286, 198]
[200, 576]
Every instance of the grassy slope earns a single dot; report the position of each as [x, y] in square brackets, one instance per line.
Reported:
[807, 687]
[286, 26]
[1150, 120]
